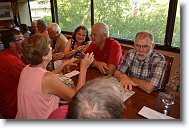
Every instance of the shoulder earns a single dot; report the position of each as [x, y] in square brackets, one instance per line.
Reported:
[130, 53]
[62, 37]
[157, 57]
[112, 43]
[50, 77]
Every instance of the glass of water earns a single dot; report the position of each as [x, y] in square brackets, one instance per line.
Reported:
[168, 99]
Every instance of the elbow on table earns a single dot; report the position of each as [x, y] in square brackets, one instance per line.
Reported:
[149, 90]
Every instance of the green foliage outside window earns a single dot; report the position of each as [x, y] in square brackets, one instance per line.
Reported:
[118, 14]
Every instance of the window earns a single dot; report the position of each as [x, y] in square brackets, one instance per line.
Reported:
[40, 9]
[124, 17]
[73, 13]
[127, 17]
[176, 33]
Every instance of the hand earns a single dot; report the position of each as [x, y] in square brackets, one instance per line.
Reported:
[57, 56]
[69, 62]
[103, 67]
[80, 48]
[87, 61]
[126, 83]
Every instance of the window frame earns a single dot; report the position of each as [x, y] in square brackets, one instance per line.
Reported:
[168, 32]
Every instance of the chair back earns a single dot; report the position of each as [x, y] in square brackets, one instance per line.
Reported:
[168, 65]
[125, 48]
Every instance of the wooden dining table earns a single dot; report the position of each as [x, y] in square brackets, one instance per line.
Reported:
[139, 99]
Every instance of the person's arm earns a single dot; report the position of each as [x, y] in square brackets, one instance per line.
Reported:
[102, 66]
[143, 84]
[67, 52]
[64, 63]
[125, 82]
[111, 69]
[85, 63]
[149, 84]
[51, 84]
[57, 56]
[114, 58]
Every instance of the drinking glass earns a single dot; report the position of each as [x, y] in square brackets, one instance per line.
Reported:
[168, 100]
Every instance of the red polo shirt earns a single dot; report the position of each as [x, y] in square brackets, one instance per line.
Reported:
[10, 68]
[110, 54]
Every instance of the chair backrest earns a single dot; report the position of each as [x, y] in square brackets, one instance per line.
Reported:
[125, 48]
[168, 65]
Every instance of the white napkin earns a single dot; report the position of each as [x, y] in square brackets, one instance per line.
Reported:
[152, 114]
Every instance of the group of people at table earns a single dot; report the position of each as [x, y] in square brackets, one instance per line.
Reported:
[30, 91]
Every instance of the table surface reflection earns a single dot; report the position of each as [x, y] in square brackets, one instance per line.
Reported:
[135, 103]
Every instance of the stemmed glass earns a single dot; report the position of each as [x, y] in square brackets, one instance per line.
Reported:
[168, 100]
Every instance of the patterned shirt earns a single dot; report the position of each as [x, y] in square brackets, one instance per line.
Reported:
[152, 69]
[77, 54]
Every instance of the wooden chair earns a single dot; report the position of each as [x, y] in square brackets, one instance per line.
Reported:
[168, 65]
[125, 48]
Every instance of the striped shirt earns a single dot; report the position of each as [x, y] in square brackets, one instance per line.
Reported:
[151, 69]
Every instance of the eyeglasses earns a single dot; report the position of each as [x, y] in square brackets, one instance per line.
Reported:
[142, 46]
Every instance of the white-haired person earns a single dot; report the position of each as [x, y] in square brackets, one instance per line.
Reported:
[99, 98]
[142, 66]
[107, 51]
[58, 41]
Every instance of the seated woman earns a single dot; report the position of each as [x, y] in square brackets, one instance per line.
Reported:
[78, 43]
[38, 90]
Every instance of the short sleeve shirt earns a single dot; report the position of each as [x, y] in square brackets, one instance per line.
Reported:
[152, 69]
[110, 54]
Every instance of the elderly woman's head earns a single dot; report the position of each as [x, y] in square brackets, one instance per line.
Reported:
[36, 49]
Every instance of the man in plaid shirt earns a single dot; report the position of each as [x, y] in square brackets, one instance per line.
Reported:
[142, 66]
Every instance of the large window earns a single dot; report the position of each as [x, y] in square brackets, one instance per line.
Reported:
[124, 17]
[40, 9]
[127, 17]
[73, 13]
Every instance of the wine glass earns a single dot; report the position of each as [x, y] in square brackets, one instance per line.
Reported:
[168, 100]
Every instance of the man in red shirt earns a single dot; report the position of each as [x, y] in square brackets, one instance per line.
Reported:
[107, 51]
[11, 66]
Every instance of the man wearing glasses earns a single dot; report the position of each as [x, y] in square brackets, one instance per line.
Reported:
[11, 66]
[142, 66]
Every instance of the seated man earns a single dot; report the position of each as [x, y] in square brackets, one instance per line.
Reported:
[141, 66]
[100, 98]
[107, 51]
[11, 66]
[58, 41]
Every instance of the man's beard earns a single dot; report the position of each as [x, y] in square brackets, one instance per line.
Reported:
[143, 56]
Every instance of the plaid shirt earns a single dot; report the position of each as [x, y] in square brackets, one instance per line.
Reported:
[152, 69]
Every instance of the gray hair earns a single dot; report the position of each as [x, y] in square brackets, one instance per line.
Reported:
[55, 27]
[98, 99]
[144, 34]
[103, 28]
